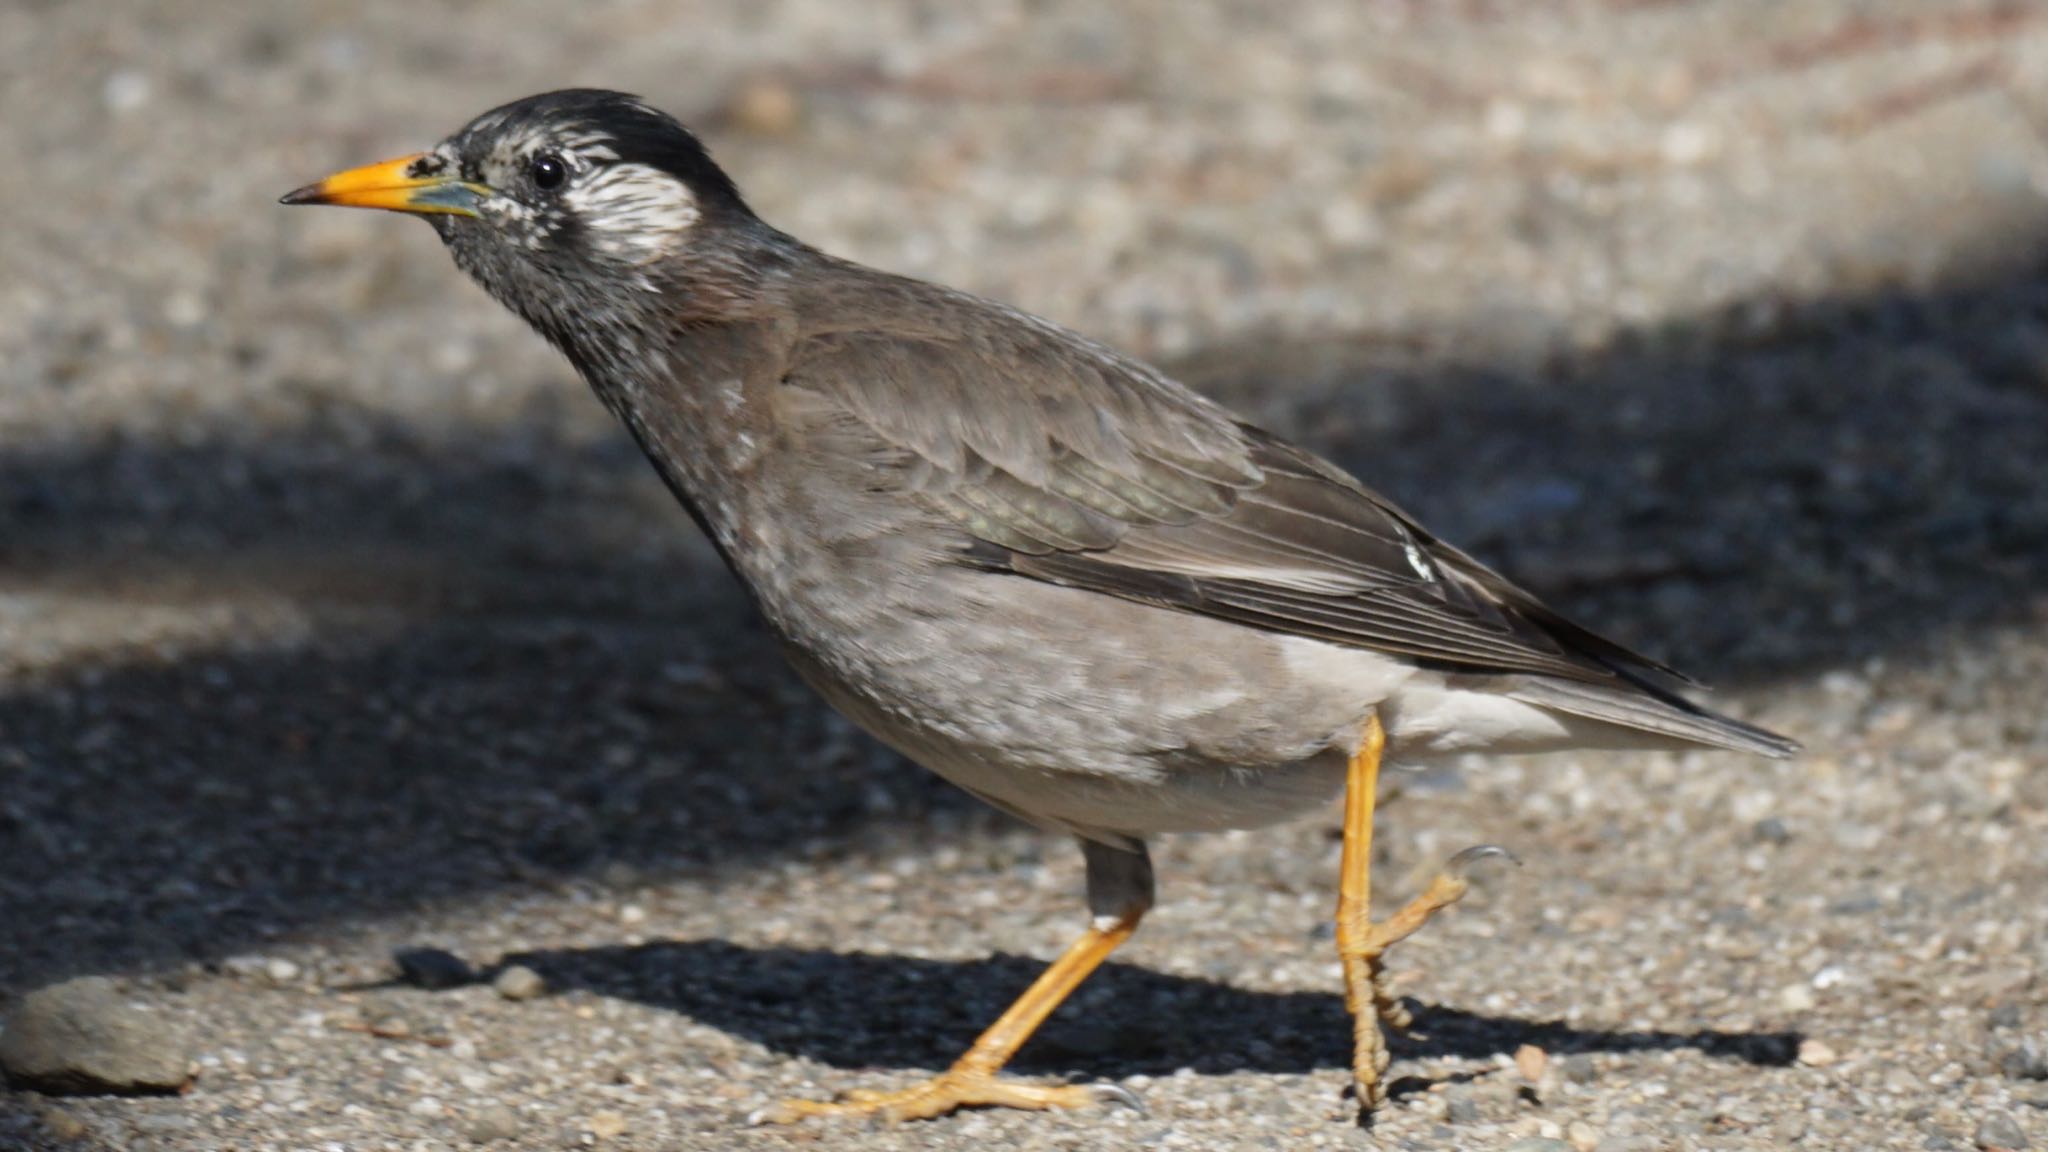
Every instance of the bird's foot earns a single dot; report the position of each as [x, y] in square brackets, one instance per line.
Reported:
[1367, 990]
[947, 1092]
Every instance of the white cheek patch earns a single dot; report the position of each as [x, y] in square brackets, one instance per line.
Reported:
[631, 212]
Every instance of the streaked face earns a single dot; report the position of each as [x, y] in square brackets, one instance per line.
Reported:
[563, 186]
[580, 210]
[596, 179]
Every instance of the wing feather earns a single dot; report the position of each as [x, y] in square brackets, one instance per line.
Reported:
[1059, 460]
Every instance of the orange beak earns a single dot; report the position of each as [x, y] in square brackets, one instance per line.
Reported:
[392, 186]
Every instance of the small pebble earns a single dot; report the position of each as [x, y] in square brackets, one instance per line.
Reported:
[766, 106]
[389, 1025]
[184, 310]
[1460, 1107]
[64, 1126]
[245, 967]
[1540, 1144]
[1579, 1068]
[1816, 1053]
[82, 1036]
[433, 969]
[2026, 1060]
[2000, 1131]
[1687, 143]
[1582, 1136]
[493, 1122]
[392, 1018]
[519, 983]
[1530, 1061]
[281, 971]
[606, 1125]
[125, 91]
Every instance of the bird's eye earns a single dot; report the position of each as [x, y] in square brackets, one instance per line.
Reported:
[547, 171]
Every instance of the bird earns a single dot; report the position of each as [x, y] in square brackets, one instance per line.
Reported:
[1039, 567]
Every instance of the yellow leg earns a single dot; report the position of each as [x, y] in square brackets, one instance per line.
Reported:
[971, 1082]
[1360, 942]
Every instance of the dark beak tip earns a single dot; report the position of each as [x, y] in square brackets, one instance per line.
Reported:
[310, 194]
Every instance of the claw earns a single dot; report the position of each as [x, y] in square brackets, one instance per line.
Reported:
[1457, 866]
[1110, 1092]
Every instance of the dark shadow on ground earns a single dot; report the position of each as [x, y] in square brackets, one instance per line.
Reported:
[195, 810]
[517, 662]
[856, 1010]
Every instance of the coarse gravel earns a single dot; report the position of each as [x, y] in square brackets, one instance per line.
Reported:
[351, 663]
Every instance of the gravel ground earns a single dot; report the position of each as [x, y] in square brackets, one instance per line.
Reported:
[336, 621]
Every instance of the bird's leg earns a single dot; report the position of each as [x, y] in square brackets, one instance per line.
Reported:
[1361, 943]
[1119, 892]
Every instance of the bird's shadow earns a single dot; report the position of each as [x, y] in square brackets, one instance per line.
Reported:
[862, 1010]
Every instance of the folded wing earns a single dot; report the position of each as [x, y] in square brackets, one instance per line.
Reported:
[1089, 470]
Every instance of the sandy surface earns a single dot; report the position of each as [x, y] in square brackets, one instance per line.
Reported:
[335, 618]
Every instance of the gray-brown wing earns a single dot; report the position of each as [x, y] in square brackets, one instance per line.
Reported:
[1065, 463]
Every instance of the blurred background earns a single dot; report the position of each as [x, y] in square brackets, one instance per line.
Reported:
[336, 619]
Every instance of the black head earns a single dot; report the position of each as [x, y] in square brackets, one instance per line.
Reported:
[576, 145]
[579, 174]
[573, 201]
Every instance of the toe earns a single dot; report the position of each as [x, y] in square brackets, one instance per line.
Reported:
[947, 1093]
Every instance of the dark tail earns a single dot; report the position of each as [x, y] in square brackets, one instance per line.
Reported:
[1651, 709]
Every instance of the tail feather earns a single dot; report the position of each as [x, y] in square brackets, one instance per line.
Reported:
[1651, 709]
